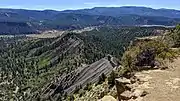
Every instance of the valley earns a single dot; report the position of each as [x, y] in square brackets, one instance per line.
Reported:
[93, 54]
[64, 62]
[21, 21]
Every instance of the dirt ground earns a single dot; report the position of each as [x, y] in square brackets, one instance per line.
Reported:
[162, 85]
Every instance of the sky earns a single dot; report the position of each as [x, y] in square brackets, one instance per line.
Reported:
[80, 4]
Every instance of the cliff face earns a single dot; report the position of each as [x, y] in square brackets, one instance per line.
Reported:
[79, 78]
[50, 67]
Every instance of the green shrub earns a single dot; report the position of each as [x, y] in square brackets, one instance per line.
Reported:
[102, 78]
[111, 79]
[146, 54]
[173, 37]
[88, 87]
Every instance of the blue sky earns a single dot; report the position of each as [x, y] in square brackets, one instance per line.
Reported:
[78, 4]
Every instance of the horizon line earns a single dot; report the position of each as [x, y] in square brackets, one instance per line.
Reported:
[24, 8]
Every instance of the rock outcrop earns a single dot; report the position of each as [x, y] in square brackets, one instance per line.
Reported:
[108, 98]
[126, 90]
[79, 78]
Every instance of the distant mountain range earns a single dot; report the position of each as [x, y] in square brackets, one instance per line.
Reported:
[20, 21]
[128, 10]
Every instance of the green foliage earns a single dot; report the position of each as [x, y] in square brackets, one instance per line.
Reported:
[102, 78]
[173, 37]
[178, 27]
[112, 40]
[146, 54]
[19, 22]
[88, 87]
[32, 63]
[70, 98]
[129, 58]
[111, 79]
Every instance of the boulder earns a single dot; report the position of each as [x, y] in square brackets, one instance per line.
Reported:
[138, 93]
[126, 95]
[108, 98]
[124, 81]
[121, 87]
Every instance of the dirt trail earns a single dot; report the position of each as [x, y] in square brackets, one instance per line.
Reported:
[162, 85]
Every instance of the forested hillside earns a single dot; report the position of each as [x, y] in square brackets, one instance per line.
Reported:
[34, 21]
[28, 64]
[147, 66]
[128, 10]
